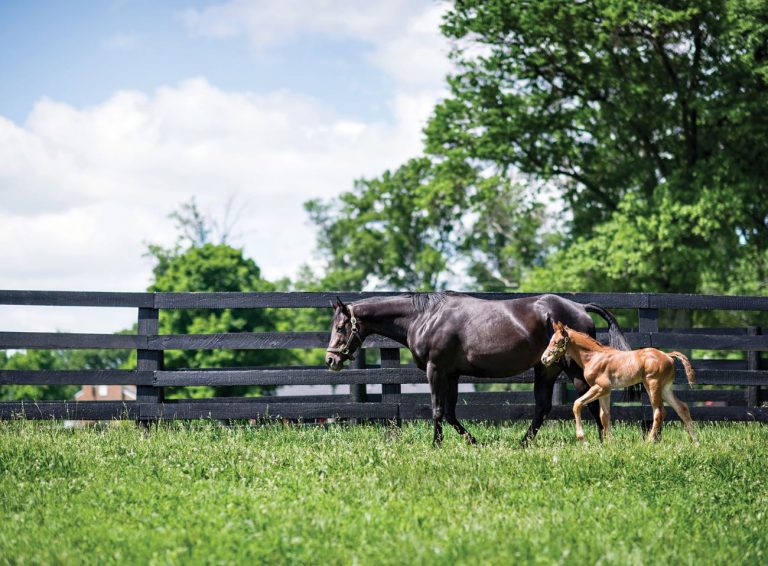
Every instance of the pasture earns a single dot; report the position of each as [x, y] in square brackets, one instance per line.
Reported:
[197, 493]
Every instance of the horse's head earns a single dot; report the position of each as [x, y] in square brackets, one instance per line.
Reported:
[557, 345]
[345, 336]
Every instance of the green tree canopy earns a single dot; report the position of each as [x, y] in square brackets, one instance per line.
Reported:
[646, 121]
[649, 118]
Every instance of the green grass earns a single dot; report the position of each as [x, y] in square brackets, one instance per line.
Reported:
[197, 493]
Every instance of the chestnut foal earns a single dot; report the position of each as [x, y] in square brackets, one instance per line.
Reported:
[606, 368]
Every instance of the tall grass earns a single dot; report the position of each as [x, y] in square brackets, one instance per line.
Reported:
[198, 493]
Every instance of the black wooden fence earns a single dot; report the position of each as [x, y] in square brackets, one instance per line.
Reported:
[739, 394]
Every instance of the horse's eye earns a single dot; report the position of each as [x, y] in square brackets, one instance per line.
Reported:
[340, 328]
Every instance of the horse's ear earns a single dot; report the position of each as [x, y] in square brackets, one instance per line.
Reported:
[559, 326]
[342, 306]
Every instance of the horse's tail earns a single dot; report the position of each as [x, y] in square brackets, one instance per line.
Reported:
[616, 339]
[689, 373]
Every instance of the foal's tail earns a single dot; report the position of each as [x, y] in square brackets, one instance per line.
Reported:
[689, 373]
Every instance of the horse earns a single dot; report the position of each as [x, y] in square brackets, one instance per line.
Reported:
[606, 368]
[452, 334]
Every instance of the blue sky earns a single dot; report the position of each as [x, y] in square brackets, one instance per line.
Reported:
[80, 52]
[112, 114]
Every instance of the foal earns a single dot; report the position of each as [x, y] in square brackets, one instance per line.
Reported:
[606, 368]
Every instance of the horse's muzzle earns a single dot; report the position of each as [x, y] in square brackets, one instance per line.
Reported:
[333, 362]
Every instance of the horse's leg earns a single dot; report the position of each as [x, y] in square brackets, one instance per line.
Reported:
[580, 384]
[605, 415]
[595, 392]
[544, 383]
[437, 389]
[681, 409]
[450, 410]
[654, 392]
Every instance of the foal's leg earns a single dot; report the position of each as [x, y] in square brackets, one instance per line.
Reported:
[595, 392]
[581, 386]
[681, 409]
[437, 390]
[544, 383]
[605, 415]
[450, 410]
[654, 392]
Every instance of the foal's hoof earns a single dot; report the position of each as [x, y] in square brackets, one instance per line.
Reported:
[581, 438]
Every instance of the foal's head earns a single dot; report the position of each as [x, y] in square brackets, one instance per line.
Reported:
[557, 345]
[345, 336]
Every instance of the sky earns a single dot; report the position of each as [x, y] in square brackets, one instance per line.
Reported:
[114, 113]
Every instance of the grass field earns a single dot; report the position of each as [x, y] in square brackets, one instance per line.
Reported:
[198, 493]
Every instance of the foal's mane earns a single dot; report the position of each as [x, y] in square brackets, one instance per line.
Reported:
[588, 339]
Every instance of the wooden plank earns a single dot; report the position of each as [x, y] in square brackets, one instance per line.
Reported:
[324, 299]
[709, 342]
[278, 340]
[254, 341]
[257, 409]
[707, 302]
[71, 410]
[76, 299]
[76, 377]
[62, 340]
[722, 377]
[321, 376]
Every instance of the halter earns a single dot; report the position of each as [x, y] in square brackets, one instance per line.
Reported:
[559, 351]
[354, 333]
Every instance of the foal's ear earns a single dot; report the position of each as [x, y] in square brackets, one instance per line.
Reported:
[559, 326]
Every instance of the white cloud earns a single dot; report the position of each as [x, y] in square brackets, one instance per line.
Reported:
[82, 190]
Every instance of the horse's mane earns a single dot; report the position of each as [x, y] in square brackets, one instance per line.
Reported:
[423, 302]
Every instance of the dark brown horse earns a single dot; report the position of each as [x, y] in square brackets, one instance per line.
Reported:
[452, 334]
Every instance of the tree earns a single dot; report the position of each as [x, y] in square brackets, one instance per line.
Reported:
[648, 118]
[211, 268]
[414, 228]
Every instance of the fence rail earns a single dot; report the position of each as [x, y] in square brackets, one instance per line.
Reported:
[738, 395]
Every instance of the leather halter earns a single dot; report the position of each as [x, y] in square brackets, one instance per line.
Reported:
[558, 352]
[354, 333]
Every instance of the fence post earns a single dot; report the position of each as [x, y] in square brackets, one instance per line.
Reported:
[754, 394]
[390, 392]
[148, 360]
[648, 320]
[357, 391]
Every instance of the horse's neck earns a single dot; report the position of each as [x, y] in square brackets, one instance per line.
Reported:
[581, 348]
[388, 317]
